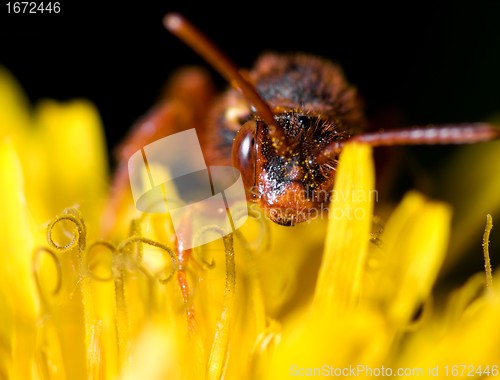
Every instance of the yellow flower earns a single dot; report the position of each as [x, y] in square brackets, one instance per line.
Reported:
[266, 302]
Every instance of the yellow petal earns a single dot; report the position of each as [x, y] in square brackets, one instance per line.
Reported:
[288, 266]
[14, 110]
[159, 354]
[464, 338]
[316, 345]
[350, 216]
[471, 185]
[70, 144]
[413, 248]
[18, 305]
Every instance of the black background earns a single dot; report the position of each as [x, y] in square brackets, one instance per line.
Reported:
[423, 62]
[429, 62]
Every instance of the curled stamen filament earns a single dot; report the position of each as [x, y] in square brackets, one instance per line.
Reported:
[138, 239]
[79, 233]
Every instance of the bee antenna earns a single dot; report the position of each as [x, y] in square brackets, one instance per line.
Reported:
[470, 133]
[194, 38]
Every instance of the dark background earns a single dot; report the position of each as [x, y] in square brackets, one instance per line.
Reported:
[426, 62]
[415, 63]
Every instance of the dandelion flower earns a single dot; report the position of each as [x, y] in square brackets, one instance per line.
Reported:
[268, 302]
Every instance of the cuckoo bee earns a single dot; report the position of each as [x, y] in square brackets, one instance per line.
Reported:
[282, 123]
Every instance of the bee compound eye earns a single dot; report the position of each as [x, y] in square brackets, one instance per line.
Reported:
[244, 152]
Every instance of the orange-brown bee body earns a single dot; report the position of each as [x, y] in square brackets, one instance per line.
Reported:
[283, 124]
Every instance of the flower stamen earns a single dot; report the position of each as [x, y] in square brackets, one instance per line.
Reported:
[78, 234]
[139, 239]
[486, 243]
[220, 346]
